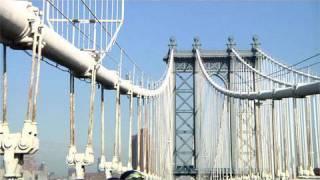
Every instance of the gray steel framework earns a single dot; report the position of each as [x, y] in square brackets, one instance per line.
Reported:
[185, 152]
[218, 64]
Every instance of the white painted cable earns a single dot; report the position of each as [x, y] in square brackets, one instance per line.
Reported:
[290, 69]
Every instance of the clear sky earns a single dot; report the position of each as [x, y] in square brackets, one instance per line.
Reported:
[288, 30]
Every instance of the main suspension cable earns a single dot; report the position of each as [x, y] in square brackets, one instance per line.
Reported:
[290, 68]
[296, 91]
[258, 72]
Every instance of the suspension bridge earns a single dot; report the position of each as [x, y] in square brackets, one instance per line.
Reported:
[215, 114]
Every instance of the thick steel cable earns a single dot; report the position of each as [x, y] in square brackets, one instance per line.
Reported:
[84, 65]
[318, 127]
[286, 137]
[103, 27]
[36, 85]
[160, 121]
[33, 69]
[117, 127]
[205, 119]
[139, 101]
[278, 116]
[102, 128]
[309, 133]
[155, 137]
[297, 133]
[91, 110]
[4, 86]
[289, 71]
[219, 153]
[290, 68]
[120, 129]
[145, 123]
[131, 113]
[258, 72]
[150, 139]
[57, 66]
[72, 111]
[261, 95]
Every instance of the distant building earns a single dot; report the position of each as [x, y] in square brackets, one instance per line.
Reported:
[52, 176]
[88, 175]
[134, 151]
[95, 176]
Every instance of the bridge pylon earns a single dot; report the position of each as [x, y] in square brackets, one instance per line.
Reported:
[219, 64]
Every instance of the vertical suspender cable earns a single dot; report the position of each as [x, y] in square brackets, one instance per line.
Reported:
[274, 139]
[298, 134]
[309, 133]
[318, 127]
[119, 104]
[91, 117]
[119, 125]
[149, 135]
[130, 130]
[102, 122]
[72, 110]
[36, 86]
[151, 159]
[145, 134]
[139, 132]
[33, 67]
[4, 86]
[145, 119]
[116, 143]
[286, 138]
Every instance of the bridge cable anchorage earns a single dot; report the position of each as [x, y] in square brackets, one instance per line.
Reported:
[290, 68]
[14, 146]
[81, 160]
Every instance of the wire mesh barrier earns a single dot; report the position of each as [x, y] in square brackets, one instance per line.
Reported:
[89, 25]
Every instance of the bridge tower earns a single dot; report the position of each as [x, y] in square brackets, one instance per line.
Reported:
[219, 64]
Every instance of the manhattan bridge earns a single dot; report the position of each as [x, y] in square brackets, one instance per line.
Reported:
[215, 114]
